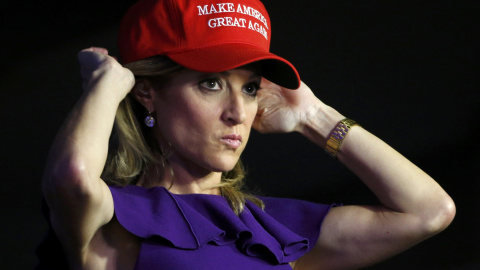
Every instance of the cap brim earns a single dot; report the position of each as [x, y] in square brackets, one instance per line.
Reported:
[224, 57]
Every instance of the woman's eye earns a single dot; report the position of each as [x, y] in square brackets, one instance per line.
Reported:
[251, 89]
[212, 84]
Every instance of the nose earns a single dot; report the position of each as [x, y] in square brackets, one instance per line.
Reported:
[234, 112]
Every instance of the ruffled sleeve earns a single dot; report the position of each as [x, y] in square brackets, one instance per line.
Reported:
[282, 233]
[302, 217]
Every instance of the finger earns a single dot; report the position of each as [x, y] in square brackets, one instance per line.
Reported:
[262, 126]
[266, 84]
[261, 97]
[260, 112]
[102, 51]
[257, 124]
[96, 49]
[91, 59]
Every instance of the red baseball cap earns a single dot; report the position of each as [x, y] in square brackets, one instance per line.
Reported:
[204, 35]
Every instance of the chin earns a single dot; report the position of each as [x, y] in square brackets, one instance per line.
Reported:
[223, 169]
[224, 165]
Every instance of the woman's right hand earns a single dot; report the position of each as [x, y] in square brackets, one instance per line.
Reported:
[97, 68]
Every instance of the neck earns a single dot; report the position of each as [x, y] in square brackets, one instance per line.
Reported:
[181, 180]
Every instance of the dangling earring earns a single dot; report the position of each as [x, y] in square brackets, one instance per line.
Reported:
[149, 120]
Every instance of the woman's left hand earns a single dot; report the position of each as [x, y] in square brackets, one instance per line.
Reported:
[284, 110]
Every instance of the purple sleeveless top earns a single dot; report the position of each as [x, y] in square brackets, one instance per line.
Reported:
[199, 231]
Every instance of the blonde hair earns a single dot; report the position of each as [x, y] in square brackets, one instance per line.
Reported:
[133, 149]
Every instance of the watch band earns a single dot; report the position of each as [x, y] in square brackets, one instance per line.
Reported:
[338, 135]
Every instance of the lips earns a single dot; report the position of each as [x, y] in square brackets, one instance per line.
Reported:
[232, 140]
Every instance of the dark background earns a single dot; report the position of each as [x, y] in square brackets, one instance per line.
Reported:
[407, 71]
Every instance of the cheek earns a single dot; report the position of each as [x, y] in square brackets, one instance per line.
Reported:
[200, 115]
[251, 112]
[185, 122]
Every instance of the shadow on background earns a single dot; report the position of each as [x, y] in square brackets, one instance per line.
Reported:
[408, 72]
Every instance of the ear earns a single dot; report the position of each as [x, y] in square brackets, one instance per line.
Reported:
[143, 91]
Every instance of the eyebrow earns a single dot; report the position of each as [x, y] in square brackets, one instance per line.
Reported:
[253, 76]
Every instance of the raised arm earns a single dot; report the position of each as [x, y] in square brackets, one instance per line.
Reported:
[79, 200]
[413, 206]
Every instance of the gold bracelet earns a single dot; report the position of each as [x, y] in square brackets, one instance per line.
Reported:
[338, 135]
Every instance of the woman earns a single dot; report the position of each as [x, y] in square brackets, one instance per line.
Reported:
[164, 192]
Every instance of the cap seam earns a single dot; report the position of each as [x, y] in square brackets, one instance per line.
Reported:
[175, 15]
[175, 51]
